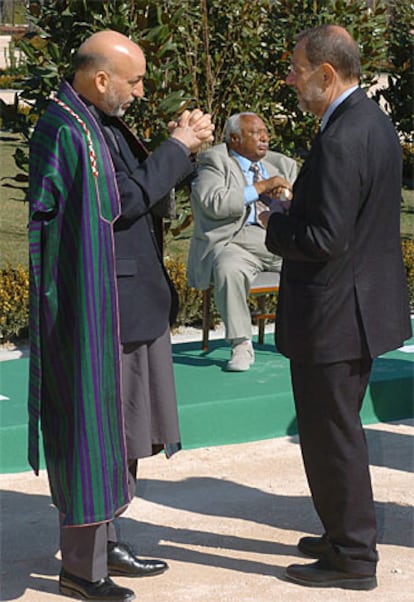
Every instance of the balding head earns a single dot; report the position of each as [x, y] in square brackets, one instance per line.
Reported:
[105, 50]
[109, 69]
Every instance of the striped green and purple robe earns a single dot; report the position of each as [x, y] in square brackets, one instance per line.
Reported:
[74, 383]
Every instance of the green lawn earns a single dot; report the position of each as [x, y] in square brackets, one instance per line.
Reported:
[13, 214]
[407, 214]
[13, 209]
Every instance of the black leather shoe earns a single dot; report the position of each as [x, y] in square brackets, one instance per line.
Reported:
[318, 574]
[123, 562]
[314, 547]
[104, 589]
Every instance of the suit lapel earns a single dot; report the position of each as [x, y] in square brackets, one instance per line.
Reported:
[124, 149]
[237, 171]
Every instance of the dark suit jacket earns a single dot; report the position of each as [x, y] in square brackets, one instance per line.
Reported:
[145, 292]
[343, 292]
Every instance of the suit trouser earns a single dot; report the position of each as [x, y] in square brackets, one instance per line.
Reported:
[84, 549]
[234, 269]
[328, 399]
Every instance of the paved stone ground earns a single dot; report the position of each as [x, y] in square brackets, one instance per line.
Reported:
[227, 520]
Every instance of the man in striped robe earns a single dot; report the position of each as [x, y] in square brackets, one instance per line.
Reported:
[80, 191]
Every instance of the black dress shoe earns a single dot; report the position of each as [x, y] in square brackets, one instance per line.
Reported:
[314, 547]
[123, 562]
[104, 589]
[318, 574]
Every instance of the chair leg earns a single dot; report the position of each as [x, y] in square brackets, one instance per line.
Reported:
[261, 321]
[206, 319]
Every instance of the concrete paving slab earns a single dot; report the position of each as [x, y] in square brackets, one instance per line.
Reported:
[227, 520]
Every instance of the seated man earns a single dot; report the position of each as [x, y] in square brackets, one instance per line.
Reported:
[234, 181]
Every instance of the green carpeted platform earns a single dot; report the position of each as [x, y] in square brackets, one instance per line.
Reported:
[218, 407]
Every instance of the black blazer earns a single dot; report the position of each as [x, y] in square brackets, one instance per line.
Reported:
[343, 292]
[145, 293]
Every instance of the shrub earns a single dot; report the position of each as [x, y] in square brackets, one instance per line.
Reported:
[14, 300]
[408, 257]
[398, 95]
[14, 296]
[191, 299]
[7, 81]
[408, 163]
[14, 303]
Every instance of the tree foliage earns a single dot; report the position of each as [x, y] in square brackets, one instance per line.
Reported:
[224, 57]
[398, 95]
[288, 19]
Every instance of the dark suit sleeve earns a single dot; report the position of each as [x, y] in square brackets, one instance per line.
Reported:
[324, 210]
[150, 181]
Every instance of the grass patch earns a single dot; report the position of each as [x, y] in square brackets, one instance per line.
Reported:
[14, 215]
[407, 213]
[13, 209]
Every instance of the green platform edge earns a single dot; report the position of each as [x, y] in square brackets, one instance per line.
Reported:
[218, 407]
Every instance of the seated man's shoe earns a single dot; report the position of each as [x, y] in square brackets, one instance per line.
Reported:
[314, 547]
[104, 589]
[123, 562]
[318, 574]
[242, 357]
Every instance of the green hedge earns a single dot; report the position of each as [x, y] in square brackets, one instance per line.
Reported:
[14, 296]
[14, 303]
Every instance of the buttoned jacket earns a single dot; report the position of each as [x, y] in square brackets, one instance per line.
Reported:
[147, 298]
[219, 211]
[343, 292]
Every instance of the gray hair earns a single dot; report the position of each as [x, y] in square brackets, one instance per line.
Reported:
[332, 44]
[233, 124]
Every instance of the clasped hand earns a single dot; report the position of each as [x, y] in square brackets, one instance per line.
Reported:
[193, 129]
[278, 193]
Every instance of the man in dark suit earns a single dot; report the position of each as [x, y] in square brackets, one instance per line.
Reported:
[343, 297]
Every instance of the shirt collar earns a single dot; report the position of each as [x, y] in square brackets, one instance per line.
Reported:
[244, 162]
[99, 115]
[336, 104]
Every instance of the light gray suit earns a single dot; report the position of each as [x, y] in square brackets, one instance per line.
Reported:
[223, 250]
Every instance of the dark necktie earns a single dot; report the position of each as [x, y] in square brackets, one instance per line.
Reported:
[257, 176]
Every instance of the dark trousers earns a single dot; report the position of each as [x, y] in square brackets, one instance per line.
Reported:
[328, 399]
[84, 549]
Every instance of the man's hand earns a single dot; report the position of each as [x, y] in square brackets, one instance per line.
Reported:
[278, 205]
[193, 129]
[275, 187]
